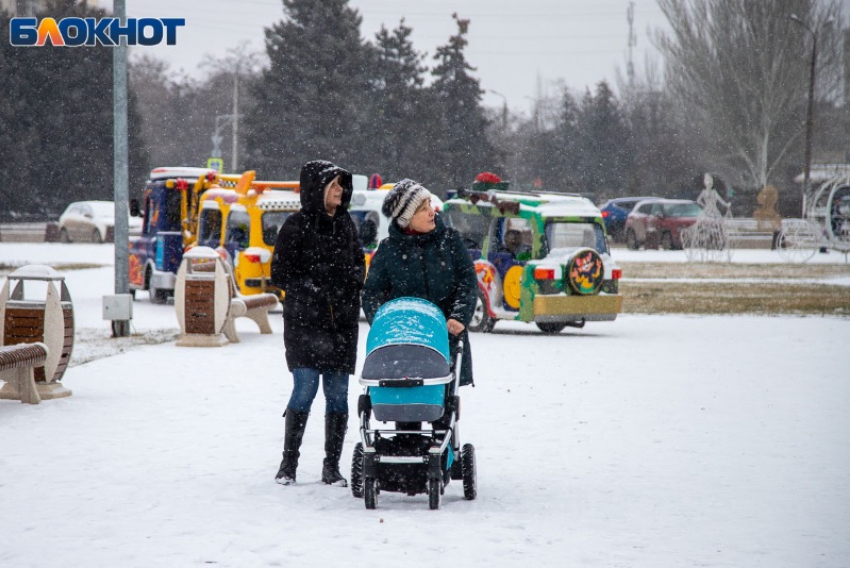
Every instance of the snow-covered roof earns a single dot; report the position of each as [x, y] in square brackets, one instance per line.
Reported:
[178, 172]
[279, 200]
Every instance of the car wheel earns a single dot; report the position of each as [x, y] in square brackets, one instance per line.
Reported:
[667, 241]
[481, 320]
[63, 236]
[631, 240]
[370, 493]
[551, 327]
[157, 296]
[96, 238]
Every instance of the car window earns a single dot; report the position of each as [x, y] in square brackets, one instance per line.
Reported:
[238, 229]
[209, 225]
[571, 235]
[173, 221]
[514, 236]
[272, 222]
[472, 228]
[683, 210]
[645, 208]
[657, 209]
[367, 224]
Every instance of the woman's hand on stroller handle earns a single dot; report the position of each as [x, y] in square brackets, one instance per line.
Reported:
[454, 327]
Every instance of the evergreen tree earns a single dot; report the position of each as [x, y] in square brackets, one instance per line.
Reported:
[57, 121]
[463, 150]
[604, 146]
[310, 99]
[397, 106]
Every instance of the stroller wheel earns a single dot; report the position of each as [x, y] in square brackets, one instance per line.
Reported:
[369, 492]
[470, 477]
[435, 489]
[357, 471]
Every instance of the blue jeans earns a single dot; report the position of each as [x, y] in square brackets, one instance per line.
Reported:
[334, 385]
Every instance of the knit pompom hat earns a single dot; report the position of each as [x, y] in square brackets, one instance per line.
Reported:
[403, 201]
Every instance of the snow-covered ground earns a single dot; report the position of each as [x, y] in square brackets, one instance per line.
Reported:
[652, 441]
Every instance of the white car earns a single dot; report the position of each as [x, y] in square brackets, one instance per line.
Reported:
[92, 221]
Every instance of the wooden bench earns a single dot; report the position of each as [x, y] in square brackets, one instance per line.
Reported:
[255, 307]
[17, 367]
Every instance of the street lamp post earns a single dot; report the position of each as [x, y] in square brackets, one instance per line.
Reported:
[504, 107]
[810, 107]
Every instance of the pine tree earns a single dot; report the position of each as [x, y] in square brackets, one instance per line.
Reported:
[60, 138]
[604, 143]
[397, 106]
[464, 150]
[310, 98]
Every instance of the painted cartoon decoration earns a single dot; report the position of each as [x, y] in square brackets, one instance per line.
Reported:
[585, 272]
[512, 286]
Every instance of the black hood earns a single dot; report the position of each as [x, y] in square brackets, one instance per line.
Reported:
[315, 176]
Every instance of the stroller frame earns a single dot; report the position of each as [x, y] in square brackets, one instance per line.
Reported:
[413, 461]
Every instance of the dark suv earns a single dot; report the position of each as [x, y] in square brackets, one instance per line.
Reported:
[614, 213]
[659, 222]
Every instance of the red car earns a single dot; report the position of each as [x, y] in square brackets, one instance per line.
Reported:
[659, 222]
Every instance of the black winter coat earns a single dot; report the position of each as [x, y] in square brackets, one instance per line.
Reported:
[434, 266]
[319, 263]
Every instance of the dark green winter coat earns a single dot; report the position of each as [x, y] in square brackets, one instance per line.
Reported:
[434, 266]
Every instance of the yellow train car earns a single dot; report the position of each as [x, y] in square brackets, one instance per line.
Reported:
[242, 220]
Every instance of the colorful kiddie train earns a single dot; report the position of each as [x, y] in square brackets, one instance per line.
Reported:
[242, 219]
[168, 208]
[541, 258]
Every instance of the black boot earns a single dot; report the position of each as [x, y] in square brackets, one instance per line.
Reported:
[335, 427]
[296, 422]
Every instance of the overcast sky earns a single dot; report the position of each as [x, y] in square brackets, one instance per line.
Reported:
[521, 48]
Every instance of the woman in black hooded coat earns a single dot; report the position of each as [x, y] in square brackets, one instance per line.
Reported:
[319, 264]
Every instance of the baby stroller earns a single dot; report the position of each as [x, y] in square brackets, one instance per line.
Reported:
[409, 381]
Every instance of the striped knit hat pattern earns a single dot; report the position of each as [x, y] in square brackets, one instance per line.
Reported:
[403, 201]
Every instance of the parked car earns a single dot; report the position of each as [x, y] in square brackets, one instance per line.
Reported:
[659, 222]
[92, 221]
[614, 213]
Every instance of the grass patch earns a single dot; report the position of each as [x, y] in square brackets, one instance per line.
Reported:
[697, 270]
[735, 298]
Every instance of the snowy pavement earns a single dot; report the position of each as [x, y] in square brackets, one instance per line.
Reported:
[652, 441]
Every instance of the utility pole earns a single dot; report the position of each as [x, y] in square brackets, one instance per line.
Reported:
[630, 67]
[235, 129]
[810, 107]
[119, 307]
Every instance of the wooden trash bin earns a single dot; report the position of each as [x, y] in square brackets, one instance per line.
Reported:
[33, 310]
[202, 299]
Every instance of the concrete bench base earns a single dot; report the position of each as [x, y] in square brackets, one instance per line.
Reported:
[256, 308]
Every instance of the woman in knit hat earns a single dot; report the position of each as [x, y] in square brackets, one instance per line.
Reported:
[318, 262]
[425, 259]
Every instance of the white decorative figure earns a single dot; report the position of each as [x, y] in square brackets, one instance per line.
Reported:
[706, 240]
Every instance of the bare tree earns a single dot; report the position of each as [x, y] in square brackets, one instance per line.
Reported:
[736, 65]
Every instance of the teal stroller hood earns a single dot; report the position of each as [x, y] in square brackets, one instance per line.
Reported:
[408, 339]
[407, 364]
